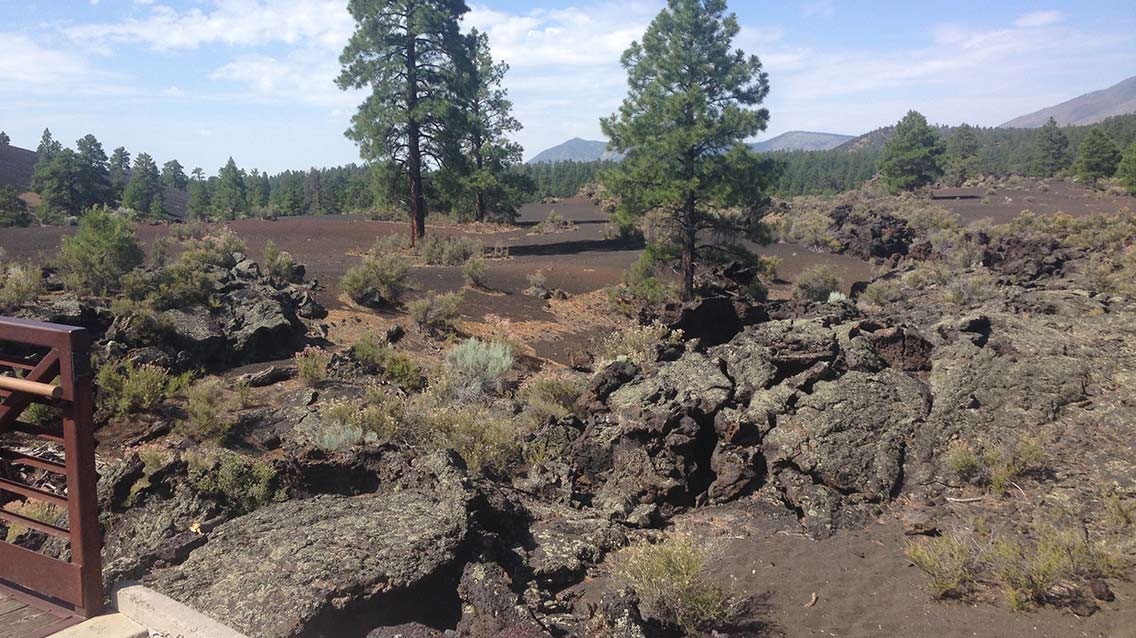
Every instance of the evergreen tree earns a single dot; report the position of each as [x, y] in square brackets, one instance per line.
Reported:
[119, 172]
[158, 205]
[404, 51]
[59, 188]
[258, 189]
[487, 152]
[313, 193]
[94, 172]
[1099, 157]
[144, 185]
[198, 204]
[173, 176]
[962, 155]
[1126, 170]
[228, 198]
[4, 139]
[913, 157]
[1051, 150]
[682, 128]
[48, 148]
[13, 210]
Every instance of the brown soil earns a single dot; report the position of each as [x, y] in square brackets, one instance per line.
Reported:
[1003, 204]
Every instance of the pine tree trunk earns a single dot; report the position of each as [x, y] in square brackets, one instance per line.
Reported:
[414, 144]
[689, 236]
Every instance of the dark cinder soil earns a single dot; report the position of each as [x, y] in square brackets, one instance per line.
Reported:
[1003, 204]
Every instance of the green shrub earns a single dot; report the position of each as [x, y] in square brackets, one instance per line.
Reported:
[479, 367]
[674, 583]
[816, 284]
[436, 312]
[396, 367]
[211, 409]
[880, 293]
[391, 244]
[126, 388]
[312, 364]
[21, 284]
[346, 424]
[449, 251]
[970, 290]
[485, 440]
[555, 223]
[474, 272]
[947, 563]
[279, 264]
[379, 280]
[242, 483]
[103, 249]
[13, 210]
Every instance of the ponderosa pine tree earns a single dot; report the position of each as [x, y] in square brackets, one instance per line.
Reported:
[173, 175]
[404, 51]
[47, 149]
[256, 189]
[198, 204]
[914, 156]
[682, 128]
[228, 196]
[119, 172]
[1051, 150]
[487, 153]
[1098, 157]
[1126, 170]
[94, 173]
[4, 139]
[962, 155]
[144, 185]
[58, 188]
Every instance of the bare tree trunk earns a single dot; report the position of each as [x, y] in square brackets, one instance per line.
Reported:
[414, 143]
[689, 236]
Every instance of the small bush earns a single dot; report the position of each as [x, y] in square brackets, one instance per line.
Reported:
[346, 424]
[537, 279]
[674, 583]
[816, 284]
[21, 284]
[311, 364]
[550, 395]
[1119, 514]
[474, 272]
[242, 483]
[395, 366]
[947, 563]
[637, 344]
[126, 388]
[970, 290]
[35, 510]
[1028, 571]
[555, 223]
[485, 440]
[103, 249]
[880, 293]
[436, 312]
[279, 264]
[379, 280]
[210, 409]
[449, 251]
[996, 468]
[479, 367]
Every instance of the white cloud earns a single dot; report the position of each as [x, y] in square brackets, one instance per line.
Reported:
[24, 62]
[821, 9]
[1039, 19]
[232, 22]
[302, 76]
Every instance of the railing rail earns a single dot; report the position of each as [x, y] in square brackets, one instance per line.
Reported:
[50, 364]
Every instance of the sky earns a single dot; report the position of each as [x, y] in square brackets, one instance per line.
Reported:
[202, 80]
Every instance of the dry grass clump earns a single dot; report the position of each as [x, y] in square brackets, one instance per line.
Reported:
[377, 419]
[211, 409]
[550, 395]
[971, 289]
[947, 563]
[637, 344]
[817, 284]
[449, 251]
[475, 273]
[19, 284]
[394, 366]
[996, 467]
[34, 510]
[312, 364]
[674, 583]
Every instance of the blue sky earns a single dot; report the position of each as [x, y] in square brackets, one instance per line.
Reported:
[200, 80]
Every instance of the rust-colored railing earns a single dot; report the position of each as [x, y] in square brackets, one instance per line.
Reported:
[50, 364]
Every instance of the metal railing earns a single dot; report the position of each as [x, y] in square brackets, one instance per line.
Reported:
[50, 364]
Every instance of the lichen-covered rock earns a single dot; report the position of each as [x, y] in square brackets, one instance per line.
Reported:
[491, 609]
[318, 564]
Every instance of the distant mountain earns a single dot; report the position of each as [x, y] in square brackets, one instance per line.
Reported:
[801, 141]
[575, 150]
[1090, 108]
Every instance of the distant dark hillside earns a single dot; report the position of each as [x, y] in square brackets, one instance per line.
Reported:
[575, 150]
[801, 141]
[16, 166]
[1090, 108]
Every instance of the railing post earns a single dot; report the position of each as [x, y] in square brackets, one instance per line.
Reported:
[82, 477]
